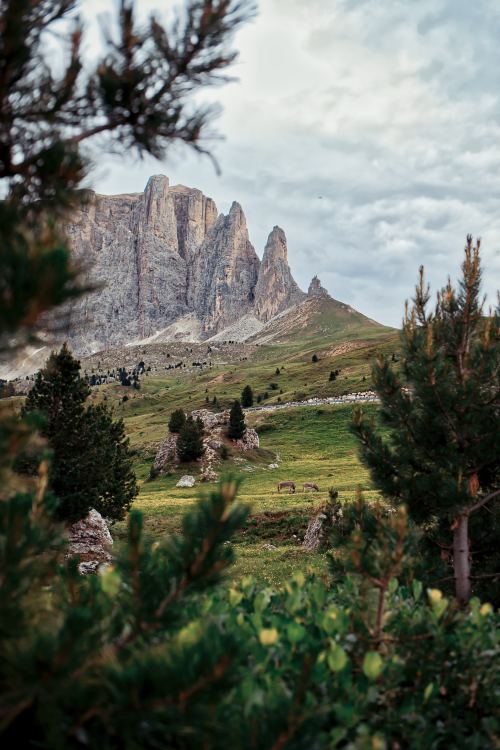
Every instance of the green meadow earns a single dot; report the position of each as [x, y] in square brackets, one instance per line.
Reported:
[309, 445]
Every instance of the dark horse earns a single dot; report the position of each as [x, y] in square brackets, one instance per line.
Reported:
[310, 486]
[286, 485]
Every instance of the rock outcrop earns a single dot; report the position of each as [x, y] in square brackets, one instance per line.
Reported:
[164, 259]
[276, 289]
[215, 426]
[316, 290]
[90, 542]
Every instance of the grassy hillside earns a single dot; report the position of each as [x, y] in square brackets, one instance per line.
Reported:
[309, 445]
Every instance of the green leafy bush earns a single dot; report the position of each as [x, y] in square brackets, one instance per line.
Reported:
[151, 651]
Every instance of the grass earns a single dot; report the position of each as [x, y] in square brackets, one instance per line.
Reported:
[312, 445]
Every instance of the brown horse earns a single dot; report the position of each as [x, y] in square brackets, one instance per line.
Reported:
[286, 485]
[310, 486]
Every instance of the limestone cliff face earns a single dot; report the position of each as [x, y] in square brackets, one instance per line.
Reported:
[224, 274]
[276, 289]
[164, 255]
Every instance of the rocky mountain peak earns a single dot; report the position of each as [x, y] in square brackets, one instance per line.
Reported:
[316, 290]
[276, 249]
[166, 257]
[276, 289]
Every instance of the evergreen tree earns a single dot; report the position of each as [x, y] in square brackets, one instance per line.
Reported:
[177, 420]
[91, 464]
[247, 397]
[190, 441]
[438, 445]
[314, 358]
[237, 425]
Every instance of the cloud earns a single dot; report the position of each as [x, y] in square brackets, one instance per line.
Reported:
[369, 131]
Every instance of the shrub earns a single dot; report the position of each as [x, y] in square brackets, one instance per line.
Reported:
[314, 358]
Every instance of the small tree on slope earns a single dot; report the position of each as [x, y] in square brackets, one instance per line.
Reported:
[237, 425]
[247, 397]
[177, 420]
[437, 448]
[190, 440]
[91, 464]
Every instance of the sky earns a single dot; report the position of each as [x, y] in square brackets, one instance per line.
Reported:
[369, 130]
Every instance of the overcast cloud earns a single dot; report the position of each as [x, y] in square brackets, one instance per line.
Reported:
[369, 130]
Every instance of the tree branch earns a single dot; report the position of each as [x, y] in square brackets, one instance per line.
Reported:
[483, 501]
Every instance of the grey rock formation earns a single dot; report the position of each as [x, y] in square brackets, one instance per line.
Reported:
[165, 258]
[276, 289]
[186, 481]
[224, 274]
[316, 290]
[89, 541]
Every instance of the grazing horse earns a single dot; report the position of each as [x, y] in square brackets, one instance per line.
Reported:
[310, 486]
[286, 485]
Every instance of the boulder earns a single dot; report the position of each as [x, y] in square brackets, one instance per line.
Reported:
[167, 452]
[249, 441]
[89, 540]
[186, 481]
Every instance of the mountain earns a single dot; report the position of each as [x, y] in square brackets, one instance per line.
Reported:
[318, 321]
[165, 266]
[165, 263]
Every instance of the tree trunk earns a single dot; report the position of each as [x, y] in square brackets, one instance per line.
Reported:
[461, 562]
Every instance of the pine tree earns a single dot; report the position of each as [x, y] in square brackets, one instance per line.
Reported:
[438, 446]
[237, 425]
[177, 420]
[190, 441]
[247, 397]
[90, 460]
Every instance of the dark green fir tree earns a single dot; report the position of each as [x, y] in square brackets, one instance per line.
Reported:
[190, 441]
[91, 466]
[247, 397]
[237, 426]
[177, 420]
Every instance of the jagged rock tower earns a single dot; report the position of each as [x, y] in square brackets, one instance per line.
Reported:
[276, 289]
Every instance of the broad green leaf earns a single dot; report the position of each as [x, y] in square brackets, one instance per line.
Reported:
[337, 735]
[337, 658]
[268, 636]
[235, 597]
[295, 632]
[428, 691]
[417, 589]
[261, 601]
[372, 665]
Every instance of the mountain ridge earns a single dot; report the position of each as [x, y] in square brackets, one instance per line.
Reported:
[164, 255]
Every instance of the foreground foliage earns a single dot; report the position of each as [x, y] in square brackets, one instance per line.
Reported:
[150, 653]
[437, 445]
